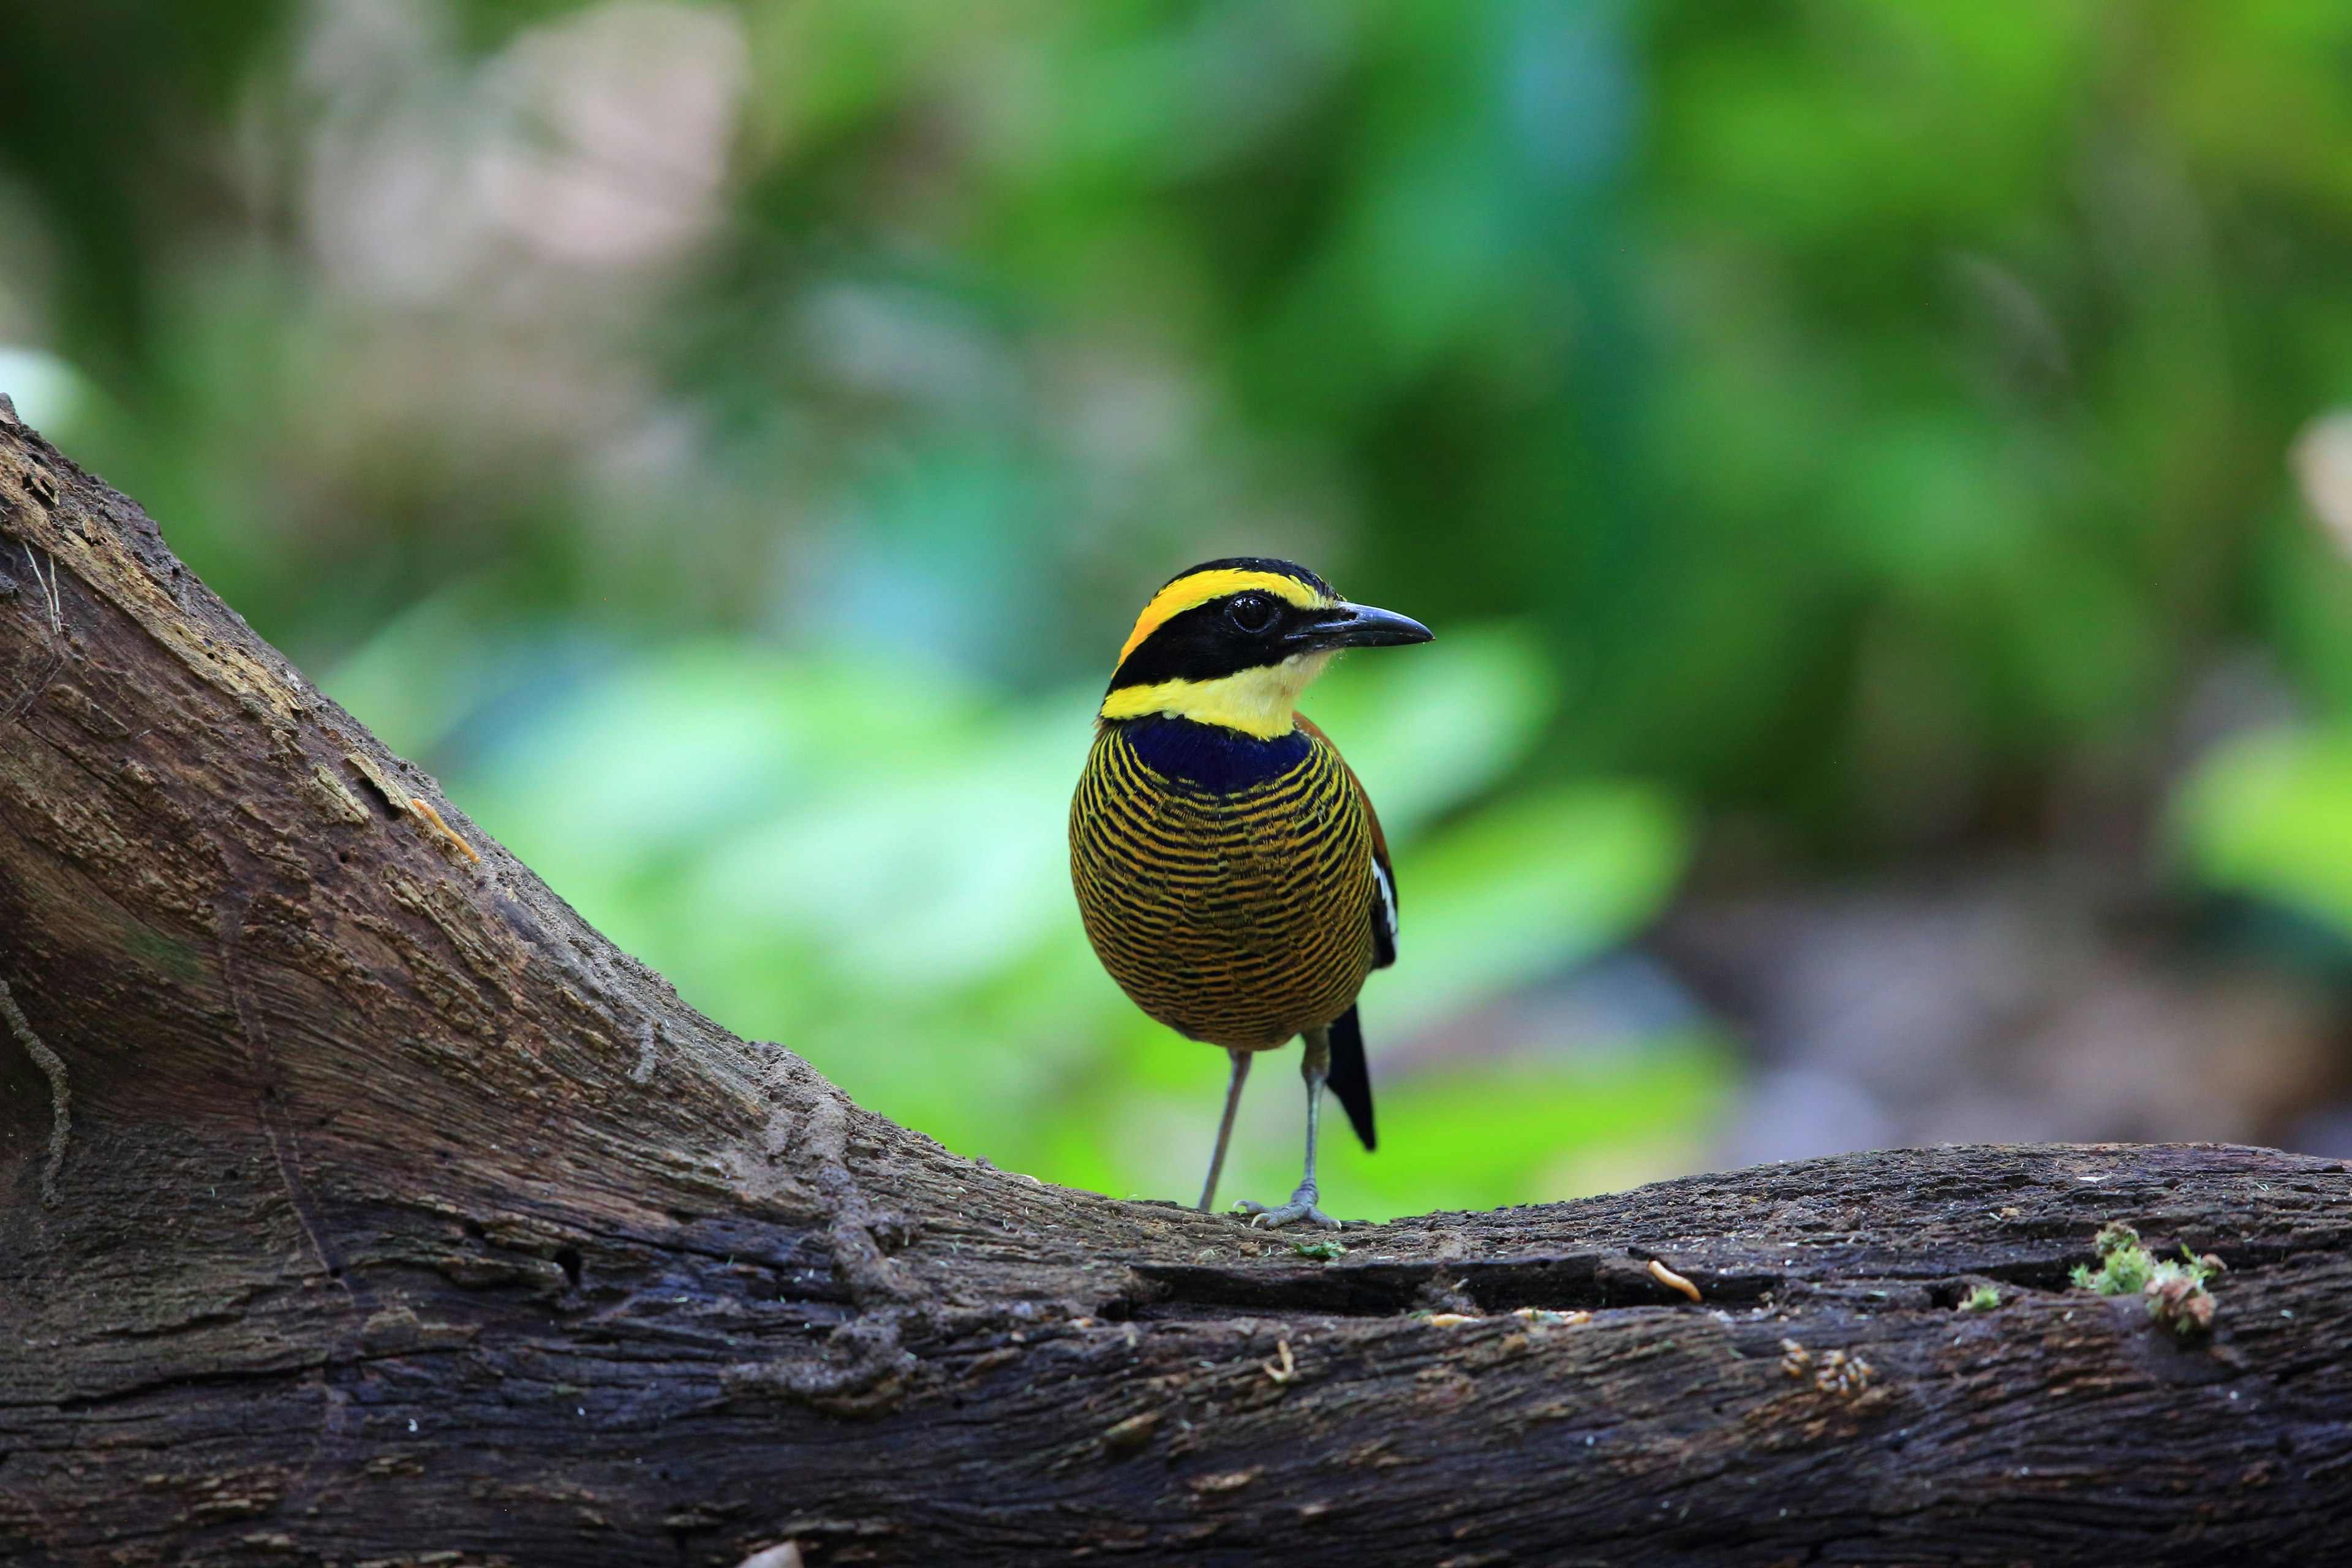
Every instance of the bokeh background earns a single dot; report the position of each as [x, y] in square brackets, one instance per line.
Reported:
[1868, 462]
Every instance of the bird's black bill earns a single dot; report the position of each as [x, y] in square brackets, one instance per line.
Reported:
[1358, 625]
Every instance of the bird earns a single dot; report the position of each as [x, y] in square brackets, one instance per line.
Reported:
[1230, 870]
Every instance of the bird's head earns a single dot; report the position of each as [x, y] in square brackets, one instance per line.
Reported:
[1234, 642]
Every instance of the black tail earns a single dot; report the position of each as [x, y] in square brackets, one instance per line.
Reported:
[1350, 1078]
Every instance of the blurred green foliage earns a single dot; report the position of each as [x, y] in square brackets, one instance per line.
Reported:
[727, 439]
[2268, 816]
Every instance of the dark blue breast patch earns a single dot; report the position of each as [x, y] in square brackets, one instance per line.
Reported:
[1213, 758]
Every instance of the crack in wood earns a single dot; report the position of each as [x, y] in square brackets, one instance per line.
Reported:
[53, 1068]
[270, 1109]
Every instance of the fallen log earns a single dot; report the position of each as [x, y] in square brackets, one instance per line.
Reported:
[360, 1204]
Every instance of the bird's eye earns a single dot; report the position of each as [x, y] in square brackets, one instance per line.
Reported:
[1253, 612]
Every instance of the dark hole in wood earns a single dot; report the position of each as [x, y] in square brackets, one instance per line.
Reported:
[1385, 1289]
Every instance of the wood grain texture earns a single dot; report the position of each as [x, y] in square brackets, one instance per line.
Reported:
[403, 1220]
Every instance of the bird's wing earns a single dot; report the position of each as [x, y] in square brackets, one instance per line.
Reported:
[1384, 907]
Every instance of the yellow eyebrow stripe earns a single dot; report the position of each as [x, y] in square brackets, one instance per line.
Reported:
[1187, 593]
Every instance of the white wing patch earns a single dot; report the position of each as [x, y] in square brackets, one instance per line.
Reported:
[1387, 913]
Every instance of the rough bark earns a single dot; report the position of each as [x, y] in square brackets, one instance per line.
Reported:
[400, 1218]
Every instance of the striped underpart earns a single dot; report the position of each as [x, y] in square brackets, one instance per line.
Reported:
[1239, 916]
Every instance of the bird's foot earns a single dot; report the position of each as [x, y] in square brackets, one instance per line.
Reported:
[1300, 1207]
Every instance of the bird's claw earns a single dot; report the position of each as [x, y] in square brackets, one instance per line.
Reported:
[1300, 1207]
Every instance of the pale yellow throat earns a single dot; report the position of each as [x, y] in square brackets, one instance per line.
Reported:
[1262, 702]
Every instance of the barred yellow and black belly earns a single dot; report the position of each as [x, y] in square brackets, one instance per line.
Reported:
[1226, 882]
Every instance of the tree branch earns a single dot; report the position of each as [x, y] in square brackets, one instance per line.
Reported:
[384, 1232]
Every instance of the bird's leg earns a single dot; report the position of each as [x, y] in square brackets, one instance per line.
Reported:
[1225, 1128]
[1301, 1206]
